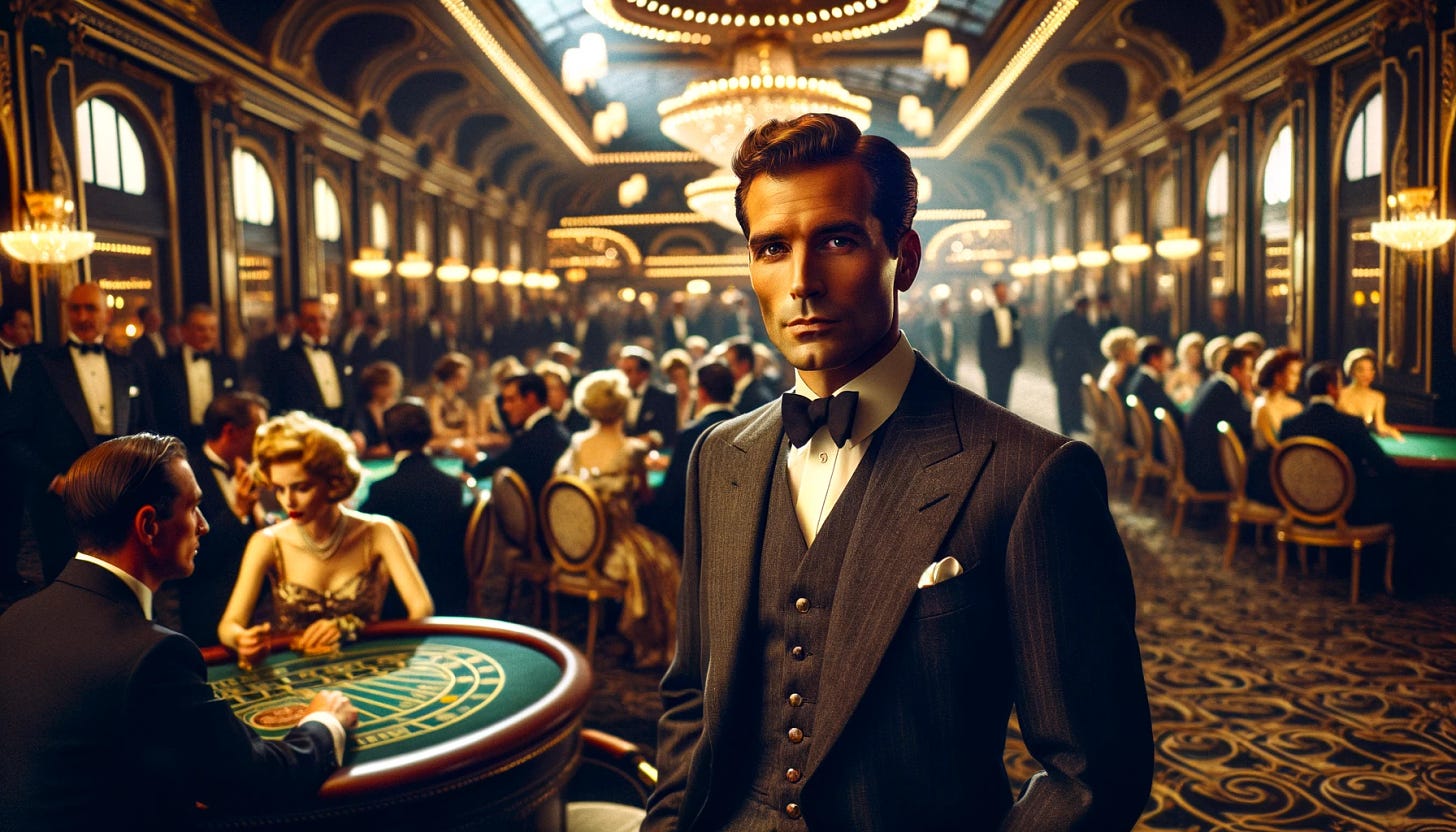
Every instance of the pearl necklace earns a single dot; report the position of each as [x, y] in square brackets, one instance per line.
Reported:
[329, 547]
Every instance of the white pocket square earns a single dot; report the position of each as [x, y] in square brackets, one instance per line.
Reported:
[134, 392]
[940, 571]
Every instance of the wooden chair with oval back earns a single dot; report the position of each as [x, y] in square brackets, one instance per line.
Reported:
[479, 544]
[1121, 453]
[1241, 507]
[574, 523]
[515, 516]
[610, 789]
[1315, 483]
[1092, 408]
[1180, 490]
[1146, 443]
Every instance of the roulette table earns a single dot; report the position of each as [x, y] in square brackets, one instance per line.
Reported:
[375, 470]
[463, 723]
[1422, 448]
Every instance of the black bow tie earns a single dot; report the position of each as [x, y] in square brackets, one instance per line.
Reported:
[316, 347]
[803, 417]
[87, 349]
[9, 351]
[201, 356]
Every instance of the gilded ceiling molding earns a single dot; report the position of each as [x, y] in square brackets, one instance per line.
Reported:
[60, 12]
[301, 25]
[1298, 78]
[1257, 14]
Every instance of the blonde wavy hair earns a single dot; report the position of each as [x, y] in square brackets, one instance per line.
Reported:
[1118, 340]
[603, 395]
[326, 452]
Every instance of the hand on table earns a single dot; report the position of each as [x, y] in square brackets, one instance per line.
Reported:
[253, 645]
[322, 636]
[336, 703]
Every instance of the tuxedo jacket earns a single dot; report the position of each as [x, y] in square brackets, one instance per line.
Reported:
[916, 685]
[49, 418]
[755, 395]
[263, 365]
[1214, 402]
[1150, 392]
[995, 358]
[665, 513]
[532, 454]
[203, 595]
[171, 398]
[109, 722]
[298, 387]
[935, 341]
[1374, 469]
[658, 412]
[426, 501]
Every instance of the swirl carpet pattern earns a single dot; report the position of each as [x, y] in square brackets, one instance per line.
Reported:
[1274, 708]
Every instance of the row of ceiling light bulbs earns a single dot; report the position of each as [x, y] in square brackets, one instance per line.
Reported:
[1176, 246]
[373, 265]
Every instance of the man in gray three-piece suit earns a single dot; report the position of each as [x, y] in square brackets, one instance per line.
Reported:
[873, 579]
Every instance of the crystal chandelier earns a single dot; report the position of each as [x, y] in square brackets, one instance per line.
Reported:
[1415, 222]
[712, 197]
[371, 264]
[712, 117]
[48, 236]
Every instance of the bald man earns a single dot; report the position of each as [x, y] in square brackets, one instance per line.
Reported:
[70, 399]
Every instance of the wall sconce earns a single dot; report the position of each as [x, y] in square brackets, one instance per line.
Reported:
[1041, 266]
[452, 270]
[1131, 249]
[371, 264]
[47, 237]
[1176, 246]
[1415, 222]
[414, 266]
[512, 276]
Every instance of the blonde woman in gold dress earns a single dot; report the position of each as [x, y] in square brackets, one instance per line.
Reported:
[1358, 398]
[328, 566]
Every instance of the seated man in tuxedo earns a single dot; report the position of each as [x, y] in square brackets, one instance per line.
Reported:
[539, 438]
[230, 502]
[426, 501]
[652, 412]
[1374, 469]
[108, 719]
[1222, 398]
[1147, 385]
[715, 403]
[186, 381]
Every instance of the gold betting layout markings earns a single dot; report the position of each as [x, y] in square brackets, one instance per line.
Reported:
[402, 690]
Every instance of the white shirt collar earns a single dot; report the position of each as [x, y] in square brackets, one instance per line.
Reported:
[1314, 400]
[142, 592]
[536, 417]
[1232, 382]
[880, 388]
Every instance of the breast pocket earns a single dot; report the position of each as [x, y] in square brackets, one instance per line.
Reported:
[969, 590]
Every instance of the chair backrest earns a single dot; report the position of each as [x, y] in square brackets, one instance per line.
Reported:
[478, 539]
[1231, 457]
[514, 511]
[574, 524]
[1172, 439]
[1116, 415]
[1313, 479]
[1091, 401]
[1142, 426]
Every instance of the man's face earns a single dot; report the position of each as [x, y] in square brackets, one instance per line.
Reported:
[825, 281]
[555, 392]
[1244, 374]
[313, 319]
[151, 320]
[200, 331]
[20, 331]
[174, 547]
[86, 312]
[517, 408]
[633, 369]
[1001, 292]
[238, 439]
[287, 324]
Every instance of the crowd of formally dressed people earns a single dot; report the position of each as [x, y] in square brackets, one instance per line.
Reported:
[1265, 394]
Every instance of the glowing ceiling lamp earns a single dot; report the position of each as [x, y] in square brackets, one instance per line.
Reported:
[712, 197]
[1094, 256]
[1177, 245]
[452, 270]
[1131, 249]
[1064, 262]
[485, 273]
[47, 237]
[414, 266]
[1415, 222]
[371, 264]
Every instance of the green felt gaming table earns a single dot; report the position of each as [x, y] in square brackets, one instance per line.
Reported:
[377, 469]
[1422, 448]
[462, 721]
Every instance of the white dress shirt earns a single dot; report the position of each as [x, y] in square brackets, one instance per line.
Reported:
[9, 363]
[95, 376]
[199, 384]
[324, 371]
[1004, 326]
[947, 339]
[819, 471]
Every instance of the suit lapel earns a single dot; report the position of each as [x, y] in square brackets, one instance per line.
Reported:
[925, 470]
[730, 565]
[62, 371]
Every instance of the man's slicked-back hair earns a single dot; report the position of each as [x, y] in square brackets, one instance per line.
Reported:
[109, 484]
[778, 148]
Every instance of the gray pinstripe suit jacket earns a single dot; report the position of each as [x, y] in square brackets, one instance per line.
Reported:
[917, 685]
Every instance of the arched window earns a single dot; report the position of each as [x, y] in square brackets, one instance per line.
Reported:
[1365, 145]
[1278, 325]
[1216, 199]
[252, 189]
[424, 237]
[111, 156]
[379, 225]
[1279, 169]
[328, 224]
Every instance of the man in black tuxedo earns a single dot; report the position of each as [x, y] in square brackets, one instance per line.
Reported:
[108, 719]
[427, 502]
[150, 347]
[1374, 469]
[263, 364]
[715, 404]
[314, 379]
[185, 382]
[943, 339]
[1147, 384]
[230, 502]
[1071, 353]
[749, 391]
[875, 573]
[586, 332]
[998, 344]
[1222, 398]
[676, 327]
[539, 441]
[652, 412]
[17, 330]
[67, 401]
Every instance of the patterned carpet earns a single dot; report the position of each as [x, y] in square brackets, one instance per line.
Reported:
[1273, 708]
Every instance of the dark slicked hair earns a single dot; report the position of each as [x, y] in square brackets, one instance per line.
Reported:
[777, 148]
[234, 409]
[717, 381]
[1234, 358]
[407, 425]
[110, 483]
[1321, 376]
[529, 384]
[9, 312]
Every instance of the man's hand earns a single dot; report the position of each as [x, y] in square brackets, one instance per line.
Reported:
[245, 494]
[336, 703]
